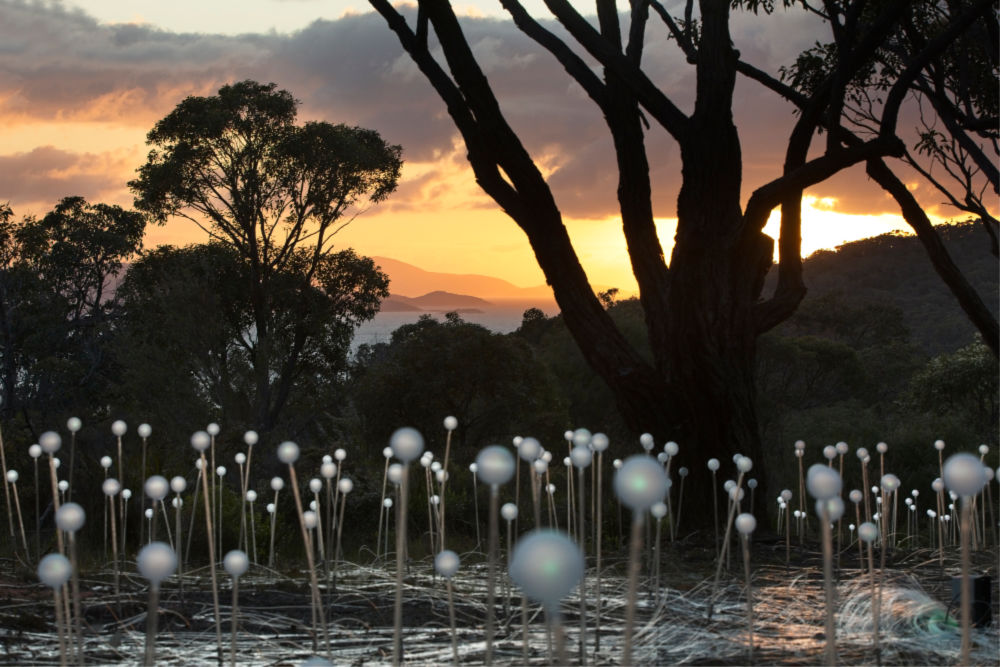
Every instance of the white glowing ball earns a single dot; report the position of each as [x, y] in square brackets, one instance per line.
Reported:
[63, 485]
[834, 507]
[277, 484]
[200, 440]
[546, 565]
[144, 430]
[178, 484]
[251, 496]
[786, 495]
[310, 519]
[990, 475]
[713, 464]
[56, 462]
[446, 562]
[823, 482]
[881, 448]
[540, 466]
[495, 465]
[199, 464]
[436, 467]
[407, 444]
[177, 502]
[517, 441]
[964, 474]
[251, 438]
[744, 464]
[937, 485]
[435, 499]
[662, 457]
[745, 523]
[856, 496]
[12, 476]
[829, 452]
[126, 493]
[270, 508]
[387, 452]
[939, 445]
[106, 462]
[387, 503]
[156, 562]
[345, 486]
[529, 449]
[735, 494]
[425, 460]
[646, 441]
[236, 563]
[149, 513]
[221, 471]
[340, 454]
[315, 485]
[682, 471]
[581, 437]
[842, 447]
[658, 510]
[70, 517]
[640, 483]
[118, 428]
[752, 483]
[328, 470]
[288, 452]
[111, 486]
[890, 482]
[550, 489]
[73, 424]
[313, 506]
[450, 423]
[54, 570]
[671, 448]
[800, 445]
[581, 456]
[441, 476]
[728, 485]
[213, 429]
[395, 473]
[157, 487]
[35, 451]
[984, 450]
[240, 458]
[868, 532]
[599, 442]
[508, 511]
[50, 442]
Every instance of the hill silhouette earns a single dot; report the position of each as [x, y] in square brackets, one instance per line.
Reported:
[409, 280]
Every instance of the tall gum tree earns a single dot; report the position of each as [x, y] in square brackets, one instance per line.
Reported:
[703, 313]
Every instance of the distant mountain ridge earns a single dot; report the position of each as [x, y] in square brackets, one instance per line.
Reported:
[436, 301]
[407, 279]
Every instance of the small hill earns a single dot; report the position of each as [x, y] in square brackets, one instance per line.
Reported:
[399, 304]
[409, 279]
[439, 299]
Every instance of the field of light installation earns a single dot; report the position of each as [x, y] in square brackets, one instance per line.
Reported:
[891, 575]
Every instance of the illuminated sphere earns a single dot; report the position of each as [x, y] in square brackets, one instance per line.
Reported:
[221, 471]
[881, 448]
[658, 510]
[508, 511]
[939, 445]
[581, 456]
[829, 452]
[387, 503]
[540, 466]
[713, 464]
[862, 453]
[890, 482]
[315, 485]
[328, 470]
[640, 483]
[744, 464]
[407, 444]
[868, 532]
[56, 462]
[736, 493]
[446, 562]
[12, 477]
[270, 508]
[395, 473]
[251, 496]
[156, 562]
[842, 447]
[646, 441]
[568, 436]
[546, 565]
[436, 467]
[387, 452]
[662, 457]
[106, 462]
[177, 502]
[745, 523]
[50, 442]
[144, 430]
[752, 483]
[177, 484]
[310, 519]
[149, 513]
[200, 440]
[111, 486]
[964, 474]
[990, 475]
[516, 441]
[937, 485]
[450, 423]
[581, 437]
[495, 464]
[823, 481]
[157, 487]
[529, 449]
[240, 458]
[288, 452]
[800, 445]
[671, 448]
[682, 471]
[118, 428]
[213, 429]
[345, 486]
[600, 442]
[786, 495]
[984, 450]
[70, 517]
[251, 438]
[63, 485]
[73, 424]
[728, 485]
[856, 496]
[54, 570]
[617, 464]
[236, 563]
[834, 507]
[441, 476]
[340, 454]
[277, 484]
[126, 493]
[35, 451]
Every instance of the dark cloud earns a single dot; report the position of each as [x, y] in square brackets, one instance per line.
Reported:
[46, 174]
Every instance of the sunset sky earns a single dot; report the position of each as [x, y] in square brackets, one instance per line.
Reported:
[82, 82]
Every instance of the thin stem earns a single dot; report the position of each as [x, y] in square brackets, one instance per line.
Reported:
[234, 620]
[309, 560]
[397, 641]
[491, 572]
[152, 618]
[966, 614]
[211, 559]
[830, 654]
[634, 565]
[746, 572]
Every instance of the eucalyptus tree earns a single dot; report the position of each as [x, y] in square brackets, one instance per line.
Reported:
[704, 312]
[237, 165]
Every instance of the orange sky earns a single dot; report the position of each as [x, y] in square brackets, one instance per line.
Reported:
[78, 92]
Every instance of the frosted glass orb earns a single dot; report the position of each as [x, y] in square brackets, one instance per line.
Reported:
[713, 464]
[671, 448]
[640, 483]
[12, 477]
[600, 442]
[450, 423]
[937, 485]
[441, 476]
[890, 483]
[54, 570]
[277, 484]
[800, 445]
[646, 441]
[126, 493]
[213, 429]
[315, 485]
[345, 486]
[581, 456]
[144, 430]
[550, 488]
[118, 428]
[495, 464]
[395, 473]
[508, 511]
[288, 452]
[786, 495]
[111, 486]
[157, 487]
[240, 458]
[270, 508]
[73, 424]
[156, 562]
[868, 532]
[251, 496]
[516, 441]
[387, 452]
[106, 462]
[70, 517]
[662, 457]
[881, 448]
[177, 503]
[406, 444]
[568, 436]
[834, 507]
[682, 471]
[149, 513]
[425, 460]
[251, 438]
[221, 471]
[546, 565]
[310, 519]
[340, 454]
[50, 442]
[581, 437]
[823, 482]
[436, 466]
[984, 450]
[328, 470]
[529, 449]
[752, 483]
[56, 462]
[658, 510]
[435, 499]
[939, 445]
[728, 485]
[964, 474]
[178, 484]
[35, 451]
[856, 496]
[862, 453]
[200, 440]
[745, 523]
[236, 563]
[829, 452]
[63, 485]
[744, 464]
[736, 494]
[446, 563]
[841, 447]
[387, 503]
